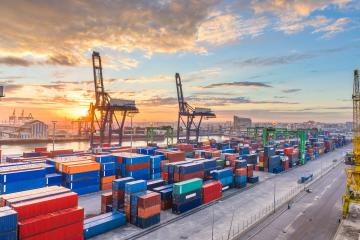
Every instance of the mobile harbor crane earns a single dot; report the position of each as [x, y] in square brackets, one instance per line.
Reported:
[187, 116]
[106, 110]
[352, 194]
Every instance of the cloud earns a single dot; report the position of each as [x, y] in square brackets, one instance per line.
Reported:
[221, 28]
[65, 32]
[208, 101]
[294, 16]
[245, 84]
[292, 90]
[289, 27]
[334, 28]
[275, 60]
[15, 61]
[52, 60]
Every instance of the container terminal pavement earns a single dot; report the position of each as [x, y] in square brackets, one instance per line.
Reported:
[151, 192]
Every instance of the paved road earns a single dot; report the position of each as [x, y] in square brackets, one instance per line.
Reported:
[313, 216]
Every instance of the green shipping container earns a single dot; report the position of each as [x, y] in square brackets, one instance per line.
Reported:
[187, 186]
[220, 163]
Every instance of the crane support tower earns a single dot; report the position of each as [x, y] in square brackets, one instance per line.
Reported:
[187, 117]
[352, 194]
[107, 115]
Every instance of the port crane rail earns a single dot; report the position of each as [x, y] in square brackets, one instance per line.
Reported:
[106, 110]
[187, 116]
[352, 193]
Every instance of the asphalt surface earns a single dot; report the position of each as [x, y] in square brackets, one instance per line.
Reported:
[313, 215]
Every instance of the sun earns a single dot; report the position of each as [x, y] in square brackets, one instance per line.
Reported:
[77, 112]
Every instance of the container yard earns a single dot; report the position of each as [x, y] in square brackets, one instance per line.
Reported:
[127, 192]
[179, 120]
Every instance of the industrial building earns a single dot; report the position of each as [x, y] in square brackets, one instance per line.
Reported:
[241, 122]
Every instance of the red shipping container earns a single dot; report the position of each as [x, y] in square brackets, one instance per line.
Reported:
[164, 175]
[288, 151]
[73, 231]
[106, 199]
[41, 149]
[205, 147]
[138, 166]
[250, 171]
[184, 177]
[47, 222]
[211, 191]
[45, 205]
[241, 172]
[149, 200]
[175, 156]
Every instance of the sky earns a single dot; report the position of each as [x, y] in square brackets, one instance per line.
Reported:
[271, 60]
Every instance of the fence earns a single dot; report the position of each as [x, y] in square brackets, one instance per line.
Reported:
[237, 227]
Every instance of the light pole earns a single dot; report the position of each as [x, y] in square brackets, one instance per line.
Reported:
[274, 196]
[54, 124]
[131, 116]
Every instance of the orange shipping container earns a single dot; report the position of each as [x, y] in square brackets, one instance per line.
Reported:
[79, 168]
[108, 179]
[148, 212]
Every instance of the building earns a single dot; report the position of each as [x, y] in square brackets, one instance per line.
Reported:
[240, 122]
[33, 129]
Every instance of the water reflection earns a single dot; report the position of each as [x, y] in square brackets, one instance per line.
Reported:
[77, 145]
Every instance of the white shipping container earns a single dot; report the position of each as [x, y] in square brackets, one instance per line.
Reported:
[202, 110]
[122, 103]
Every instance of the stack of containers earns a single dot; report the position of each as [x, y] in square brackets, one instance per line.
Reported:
[211, 191]
[187, 148]
[275, 164]
[261, 161]
[209, 166]
[21, 177]
[103, 223]
[187, 195]
[51, 217]
[268, 152]
[250, 158]
[106, 202]
[8, 224]
[81, 177]
[133, 190]
[155, 166]
[240, 173]
[250, 170]
[188, 171]
[135, 165]
[166, 196]
[285, 162]
[118, 192]
[289, 152]
[225, 176]
[148, 209]
[229, 158]
[107, 170]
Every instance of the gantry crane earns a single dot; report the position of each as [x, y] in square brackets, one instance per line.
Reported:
[106, 110]
[301, 134]
[187, 116]
[352, 194]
